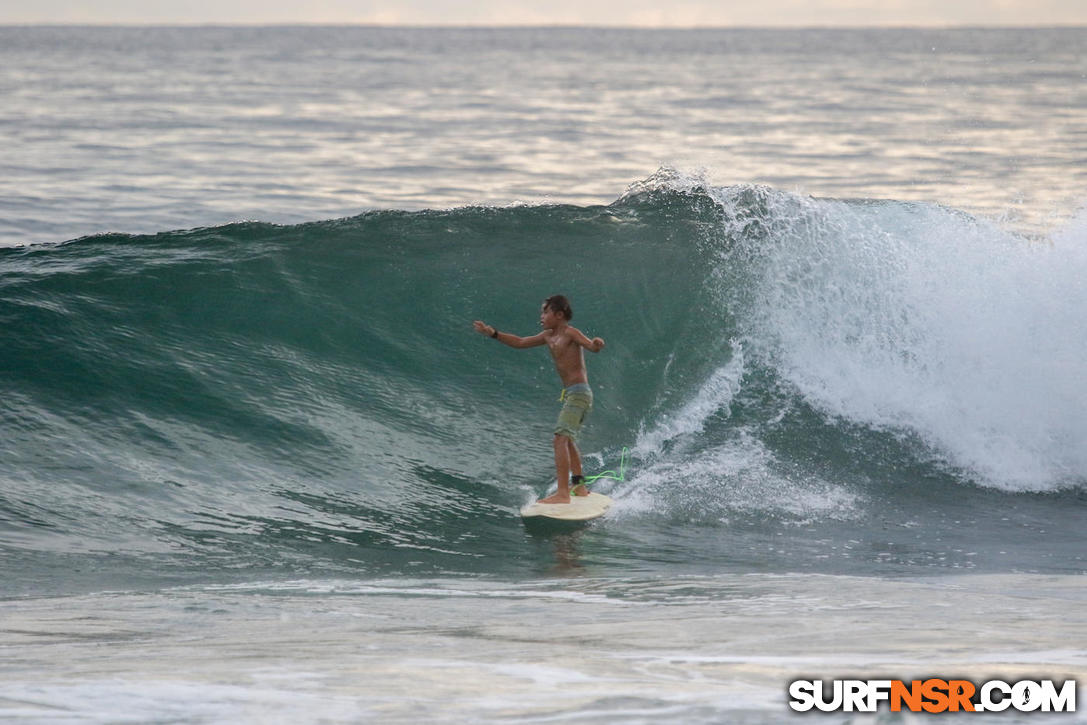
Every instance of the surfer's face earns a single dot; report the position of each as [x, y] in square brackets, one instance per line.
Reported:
[550, 319]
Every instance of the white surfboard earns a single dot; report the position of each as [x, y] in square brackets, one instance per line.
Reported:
[580, 508]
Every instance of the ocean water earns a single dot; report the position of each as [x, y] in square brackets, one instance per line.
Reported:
[255, 465]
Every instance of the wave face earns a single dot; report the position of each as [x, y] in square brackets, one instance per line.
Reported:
[784, 369]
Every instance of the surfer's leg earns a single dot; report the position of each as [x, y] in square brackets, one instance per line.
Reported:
[575, 468]
[575, 456]
[562, 471]
[575, 407]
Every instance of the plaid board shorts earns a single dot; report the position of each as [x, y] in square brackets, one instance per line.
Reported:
[577, 401]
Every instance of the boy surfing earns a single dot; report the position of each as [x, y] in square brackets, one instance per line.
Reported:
[566, 344]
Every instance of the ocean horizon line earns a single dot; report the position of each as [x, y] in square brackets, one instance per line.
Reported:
[537, 27]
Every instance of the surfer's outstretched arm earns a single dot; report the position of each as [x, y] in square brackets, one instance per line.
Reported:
[594, 345]
[508, 338]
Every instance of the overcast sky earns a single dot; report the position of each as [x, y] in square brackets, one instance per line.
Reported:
[646, 13]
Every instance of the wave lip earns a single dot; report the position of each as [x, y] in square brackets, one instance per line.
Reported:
[916, 318]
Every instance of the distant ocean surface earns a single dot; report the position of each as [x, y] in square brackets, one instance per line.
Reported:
[255, 465]
[141, 130]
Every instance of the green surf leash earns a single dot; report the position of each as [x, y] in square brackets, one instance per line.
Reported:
[612, 475]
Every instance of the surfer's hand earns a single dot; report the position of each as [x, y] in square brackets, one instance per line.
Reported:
[483, 328]
[598, 344]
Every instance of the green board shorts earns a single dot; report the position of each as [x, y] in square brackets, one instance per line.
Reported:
[577, 401]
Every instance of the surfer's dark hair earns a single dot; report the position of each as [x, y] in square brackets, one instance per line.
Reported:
[558, 303]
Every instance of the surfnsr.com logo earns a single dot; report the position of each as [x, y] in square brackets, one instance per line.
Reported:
[932, 695]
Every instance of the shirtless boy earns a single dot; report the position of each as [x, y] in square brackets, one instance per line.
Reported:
[565, 343]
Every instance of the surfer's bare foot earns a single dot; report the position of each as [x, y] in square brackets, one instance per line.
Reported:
[555, 498]
[580, 490]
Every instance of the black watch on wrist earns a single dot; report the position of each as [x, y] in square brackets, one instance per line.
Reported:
[495, 333]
